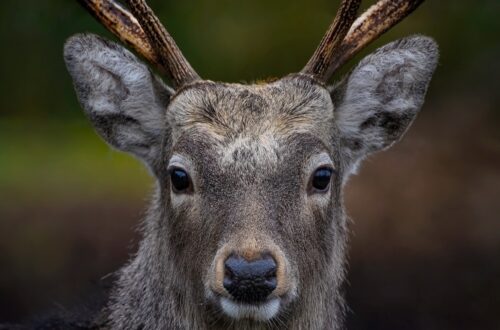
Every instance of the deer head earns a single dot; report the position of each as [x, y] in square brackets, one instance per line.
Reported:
[247, 227]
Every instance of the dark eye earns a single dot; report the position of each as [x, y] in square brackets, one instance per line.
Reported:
[321, 179]
[180, 180]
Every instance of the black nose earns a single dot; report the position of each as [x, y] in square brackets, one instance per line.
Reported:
[250, 281]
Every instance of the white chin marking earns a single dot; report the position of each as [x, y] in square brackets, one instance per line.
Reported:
[261, 312]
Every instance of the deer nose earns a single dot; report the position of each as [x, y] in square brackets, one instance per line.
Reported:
[250, 281]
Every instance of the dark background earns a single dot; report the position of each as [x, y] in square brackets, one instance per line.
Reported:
[425, 248]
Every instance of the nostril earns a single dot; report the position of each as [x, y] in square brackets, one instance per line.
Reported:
[228, 272]
[271, 273]
[250, 281]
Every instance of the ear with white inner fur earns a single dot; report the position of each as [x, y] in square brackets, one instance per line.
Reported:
[124, 100]
[378, 100]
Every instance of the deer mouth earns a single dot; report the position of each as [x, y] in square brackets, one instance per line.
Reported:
[249, 285]
[260, 312]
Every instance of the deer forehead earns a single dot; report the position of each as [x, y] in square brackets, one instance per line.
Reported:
[257, 150]
[252, 124]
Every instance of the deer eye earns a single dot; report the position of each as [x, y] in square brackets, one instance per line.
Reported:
[181, 182]
[321, 178]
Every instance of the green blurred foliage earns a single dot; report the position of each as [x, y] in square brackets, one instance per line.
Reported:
[224, 40]
[43, 129]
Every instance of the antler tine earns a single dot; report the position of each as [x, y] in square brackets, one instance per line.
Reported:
[164, 45]
[320, 62]
[372, 24]
[125, 26]
[143, 31]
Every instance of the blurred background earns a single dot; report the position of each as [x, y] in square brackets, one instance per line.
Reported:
[425, 248]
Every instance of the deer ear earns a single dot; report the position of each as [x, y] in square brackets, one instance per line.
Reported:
[376, 103]
[124, 100]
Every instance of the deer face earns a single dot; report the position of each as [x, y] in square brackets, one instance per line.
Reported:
[250, 176]
[253, 176]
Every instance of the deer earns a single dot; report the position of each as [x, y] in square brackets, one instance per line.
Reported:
[246, 228]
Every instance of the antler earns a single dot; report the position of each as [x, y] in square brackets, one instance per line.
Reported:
[164, 45]
[331, 54]
[320, 61]
[143, 31]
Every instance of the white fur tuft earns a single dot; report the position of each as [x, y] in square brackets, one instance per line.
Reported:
[262, 312]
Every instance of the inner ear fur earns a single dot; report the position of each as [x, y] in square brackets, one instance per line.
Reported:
[123, 99]
[376, 103]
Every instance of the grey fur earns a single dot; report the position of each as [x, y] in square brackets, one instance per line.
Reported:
[250, 151]
[119, 94]
[379, 100]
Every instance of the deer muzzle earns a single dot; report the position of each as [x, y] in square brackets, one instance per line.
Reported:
[250, 280]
